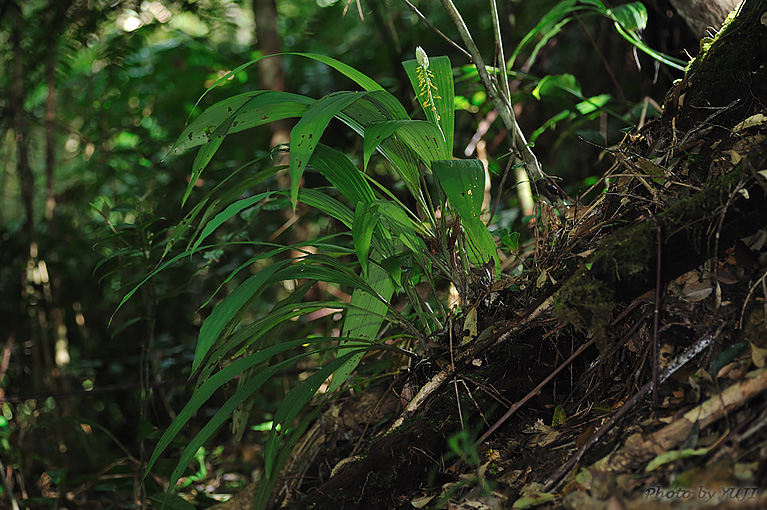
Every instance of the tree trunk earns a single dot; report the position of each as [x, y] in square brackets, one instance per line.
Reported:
[700, 15]
[269, 42]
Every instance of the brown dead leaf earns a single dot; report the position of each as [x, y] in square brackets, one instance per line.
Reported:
[758, 356]
[696, 291]
[725, 276]
[754, 120]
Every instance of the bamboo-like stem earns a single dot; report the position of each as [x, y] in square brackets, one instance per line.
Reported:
[499, 49]
[501, 102]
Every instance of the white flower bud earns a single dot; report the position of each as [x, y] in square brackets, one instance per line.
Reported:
[421, 57]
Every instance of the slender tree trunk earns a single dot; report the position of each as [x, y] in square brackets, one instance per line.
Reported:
[269, 42]
[50, 134]
[19, 122]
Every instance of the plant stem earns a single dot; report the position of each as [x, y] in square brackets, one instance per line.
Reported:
[501, 102]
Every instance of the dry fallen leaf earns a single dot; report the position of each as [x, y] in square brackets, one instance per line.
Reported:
[758, 356]
[696, 291]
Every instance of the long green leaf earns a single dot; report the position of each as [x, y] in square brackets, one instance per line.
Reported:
[232, 115]
[229, 308]
[365, 220]
[249, 337]
[228, 214]
[327, 204]
[224, 194]
[220, 120]
[293, 402]
[423, 138]
[206, 390]
[380, 106]
[242, 394]
[199, 131]
[634, 39]
[631, 16]
[440, 79]
[262, 109]
[363, 321]
[552, 18]
[332, 271]
[319, 243]
[306, 134]
[361, 79]
[263, 495]
[401, 226]
[341, 172]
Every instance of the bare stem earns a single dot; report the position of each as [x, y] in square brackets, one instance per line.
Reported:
[501, 100]
[435, 29]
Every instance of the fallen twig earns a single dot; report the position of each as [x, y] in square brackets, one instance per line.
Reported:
[675, 365]
[640, 448]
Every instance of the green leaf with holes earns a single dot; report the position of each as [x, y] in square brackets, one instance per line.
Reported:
[463, 181]
[232, 115]
[306, 134]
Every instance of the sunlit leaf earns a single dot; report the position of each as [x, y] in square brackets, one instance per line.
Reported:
[443, 94]
[210, 129]
[463, 181]
[422, 137]
[631, 17]
[306, 134]
[554, 83]
[341, 172]
[593, 104]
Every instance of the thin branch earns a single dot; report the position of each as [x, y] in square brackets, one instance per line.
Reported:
[502, 103]
[499, 49]
[656, 312]
[676, 364]
[535, 391]
[435, 29]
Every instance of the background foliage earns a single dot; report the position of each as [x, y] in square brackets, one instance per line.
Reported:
[93, 97]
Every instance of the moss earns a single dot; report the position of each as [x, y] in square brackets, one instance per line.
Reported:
[723, 72]
[586, 304]
[623, 265]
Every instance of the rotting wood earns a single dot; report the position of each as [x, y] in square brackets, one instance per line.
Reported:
[639, 447]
